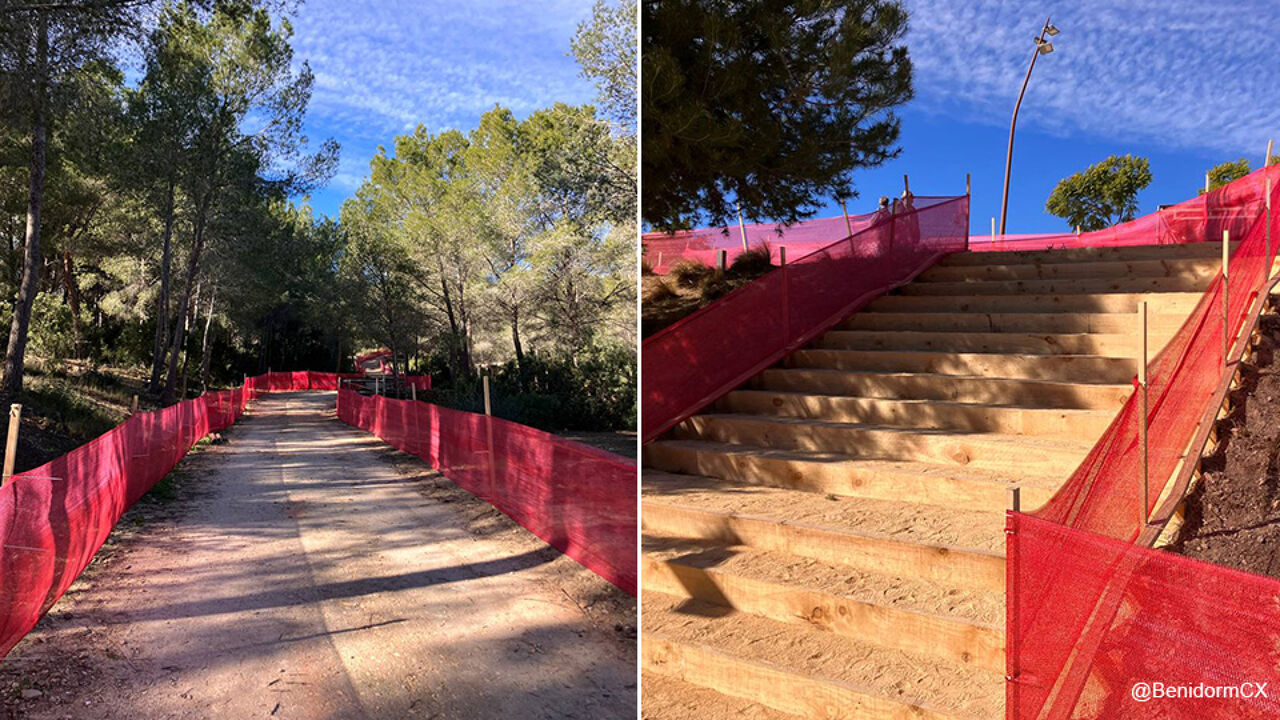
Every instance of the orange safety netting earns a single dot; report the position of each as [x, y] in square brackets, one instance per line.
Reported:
[1091, 613]
[691, 363]
[580, 500]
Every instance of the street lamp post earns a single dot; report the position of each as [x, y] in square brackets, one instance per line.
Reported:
[1043, 47]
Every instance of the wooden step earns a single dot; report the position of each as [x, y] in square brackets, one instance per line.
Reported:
[1122, 253]
[947, 486]
[806, 671]
[964, 568]
[1177, 303]
[1108, 345]
[1202, 268]
[668, 698]
[902, 521]
[1069, 286]
[956, 388]
[1064, 368]
[1067, 424]
[1012, 322]
[1042, 456]
[881, 610]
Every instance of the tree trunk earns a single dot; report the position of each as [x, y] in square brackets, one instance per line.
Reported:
[184, 306]
[15, 356]
[72, 289]
[515, 339]
[162, 301]
[206, 350]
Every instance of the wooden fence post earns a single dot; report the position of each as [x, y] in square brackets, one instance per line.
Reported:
[722, 260]
[1226, 294]
[1144, 508]
[742, 228]
[1266, 231]
[848, 226]
[11, 443]
[133, 407]
[488, 409]
[786, 306]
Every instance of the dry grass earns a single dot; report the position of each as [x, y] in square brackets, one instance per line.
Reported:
[690, 285]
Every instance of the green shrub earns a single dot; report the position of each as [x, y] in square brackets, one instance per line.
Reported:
[50, 329]
[594, 390]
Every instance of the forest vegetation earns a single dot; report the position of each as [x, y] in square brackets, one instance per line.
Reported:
[158, 237]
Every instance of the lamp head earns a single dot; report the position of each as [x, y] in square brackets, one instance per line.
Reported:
[1045, 48]
[1051, 30]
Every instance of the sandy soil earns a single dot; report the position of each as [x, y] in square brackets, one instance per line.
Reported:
[313, 573]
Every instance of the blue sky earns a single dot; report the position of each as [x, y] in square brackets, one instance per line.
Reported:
[1187, 84]
[383, 66]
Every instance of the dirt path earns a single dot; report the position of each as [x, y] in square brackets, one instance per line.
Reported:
[310, 578]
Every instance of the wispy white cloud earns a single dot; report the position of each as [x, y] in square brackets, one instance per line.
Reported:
[1187, 75]
[383, 66]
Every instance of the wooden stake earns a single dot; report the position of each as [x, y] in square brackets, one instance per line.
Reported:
[722, 260]
[11, 443]
[413, 393]
[488, 409]
[993, 231]
[1266, 233]
[786, 306]
[1144, 508]
[1226, 293]
[742, 227]
[133, 408]
[1206, 182]
[848, 226]
[906, 185]
[966, 183]
[659, 260]
[1015, 499]
[1268, 160]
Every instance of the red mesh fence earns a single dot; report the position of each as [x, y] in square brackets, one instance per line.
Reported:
[1201, 219]
[662, 250]
[1090, 613]
[704, 355]
[580, 500]
[55, 517]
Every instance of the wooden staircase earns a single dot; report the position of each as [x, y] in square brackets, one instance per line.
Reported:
[827, 541]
